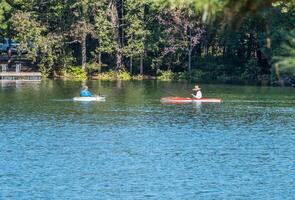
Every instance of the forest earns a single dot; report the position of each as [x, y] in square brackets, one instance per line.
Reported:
[228, 41]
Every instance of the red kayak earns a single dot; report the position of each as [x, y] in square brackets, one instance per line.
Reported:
[188, 100]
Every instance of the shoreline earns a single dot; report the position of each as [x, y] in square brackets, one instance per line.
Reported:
[153, 79]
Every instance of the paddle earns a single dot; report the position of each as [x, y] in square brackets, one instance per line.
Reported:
[168, 92]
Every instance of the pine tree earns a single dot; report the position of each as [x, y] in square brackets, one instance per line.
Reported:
[135, 32]
[104, 33]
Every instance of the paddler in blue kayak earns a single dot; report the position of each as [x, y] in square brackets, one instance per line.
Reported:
[85, 92]
[198, 94]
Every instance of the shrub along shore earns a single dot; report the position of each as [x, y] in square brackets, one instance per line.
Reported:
[76, 73]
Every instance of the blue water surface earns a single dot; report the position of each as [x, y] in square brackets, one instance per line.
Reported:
[134, 147]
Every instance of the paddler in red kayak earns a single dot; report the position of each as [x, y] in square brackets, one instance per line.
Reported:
[198, 94]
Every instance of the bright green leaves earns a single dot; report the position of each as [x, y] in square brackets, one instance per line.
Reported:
[39, 46]
[285, 58]
[28, 32]
[135, 31]
[104, 31]
[5, 8]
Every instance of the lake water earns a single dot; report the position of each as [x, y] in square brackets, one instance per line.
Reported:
[134, 147]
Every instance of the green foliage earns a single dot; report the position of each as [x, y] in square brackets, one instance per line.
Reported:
[137, 77]
[182, 76]
[114, 75]
[285, 58]
[49, 53]
[123, 75]
[166, 75]
[136, 31]
[233, 9]
[252, 71]
[4, 9]
[273, 76]
[74, 73]
[197, 75]
[93, 68]
[29, 32]
[107, 76]
[65, 61]
[104, 31]
[243, 41]
[43, 48]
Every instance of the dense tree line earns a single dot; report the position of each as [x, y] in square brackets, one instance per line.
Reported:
[228, 40]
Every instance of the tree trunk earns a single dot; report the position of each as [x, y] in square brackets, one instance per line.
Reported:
[99, 58]
[83, 49]
[120, 36]
[99, 62]
[114, 15]
[190, 48]
[119, 65]
[131, 65]
[170, 62]
[264, 57]
[223, 51]
[122, 22]
[189, 63]
[249, 47]
[141, 64]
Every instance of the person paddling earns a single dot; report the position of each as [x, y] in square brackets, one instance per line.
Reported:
[85, 92]
[198, 94]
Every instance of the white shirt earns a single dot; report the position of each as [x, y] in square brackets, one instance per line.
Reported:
[198, 95]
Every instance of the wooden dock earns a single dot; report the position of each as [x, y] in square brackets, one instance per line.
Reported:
[25, 76]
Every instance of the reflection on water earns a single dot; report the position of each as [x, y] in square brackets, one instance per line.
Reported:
[134, 147]
[19, 84]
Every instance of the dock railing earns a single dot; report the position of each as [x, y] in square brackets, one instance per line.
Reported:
[6, 75]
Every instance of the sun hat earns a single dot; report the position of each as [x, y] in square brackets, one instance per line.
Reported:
[196, 88]
[85, 87]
